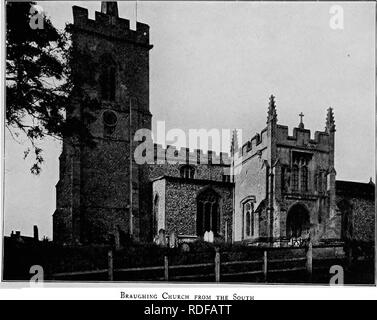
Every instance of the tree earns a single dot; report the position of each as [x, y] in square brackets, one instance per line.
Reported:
[37, 88]
[39, 81]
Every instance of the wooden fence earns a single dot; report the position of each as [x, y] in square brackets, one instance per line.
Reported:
[262, 267]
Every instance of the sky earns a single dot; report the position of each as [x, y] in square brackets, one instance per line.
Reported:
[214, 65]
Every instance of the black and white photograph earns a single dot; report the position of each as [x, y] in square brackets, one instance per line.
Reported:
[179, 142]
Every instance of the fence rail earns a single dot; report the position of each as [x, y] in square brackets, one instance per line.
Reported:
[265, 269]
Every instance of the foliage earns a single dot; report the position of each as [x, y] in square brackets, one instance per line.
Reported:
[40, 82]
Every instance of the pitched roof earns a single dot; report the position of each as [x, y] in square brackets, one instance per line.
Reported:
[355, 189]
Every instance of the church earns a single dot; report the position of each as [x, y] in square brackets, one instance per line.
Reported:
[274, 190]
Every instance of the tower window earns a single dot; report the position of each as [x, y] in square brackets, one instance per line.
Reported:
[108, 79]
[187, 172]
[295, 177]
[304, 178]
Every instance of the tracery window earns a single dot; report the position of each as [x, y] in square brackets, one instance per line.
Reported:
[295, 177]
[248, 218]
[304, 178]
[207, 212]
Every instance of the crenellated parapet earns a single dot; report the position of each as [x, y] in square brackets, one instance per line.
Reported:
[277, 135]
[174, 155]
[302, 137]
[111, 26]
[255, 144]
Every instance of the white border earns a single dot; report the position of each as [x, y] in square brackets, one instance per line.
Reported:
[112, 291]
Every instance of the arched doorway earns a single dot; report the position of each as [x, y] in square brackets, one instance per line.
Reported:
[207, 218]
[298, 221]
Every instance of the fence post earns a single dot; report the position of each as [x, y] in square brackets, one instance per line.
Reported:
[217, 264]
[309, 260]
[265, 265]
[110, 265]
[166, 268]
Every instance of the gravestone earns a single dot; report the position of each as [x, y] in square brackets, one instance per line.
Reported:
[211, 237]
[161, 238]
[172, 240]
[185, 248]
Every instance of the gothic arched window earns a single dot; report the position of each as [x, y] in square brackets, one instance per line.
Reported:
[295, 177]
[207, 212]
[248, 218]
[108, 79]
[248, 224]
[304, 178]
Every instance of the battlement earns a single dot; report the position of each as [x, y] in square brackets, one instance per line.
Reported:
[299, 137]
[110, 26]
[257, 142]
[171, 154]
[302, 136]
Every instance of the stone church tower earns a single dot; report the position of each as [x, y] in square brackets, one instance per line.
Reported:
[111, 95]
